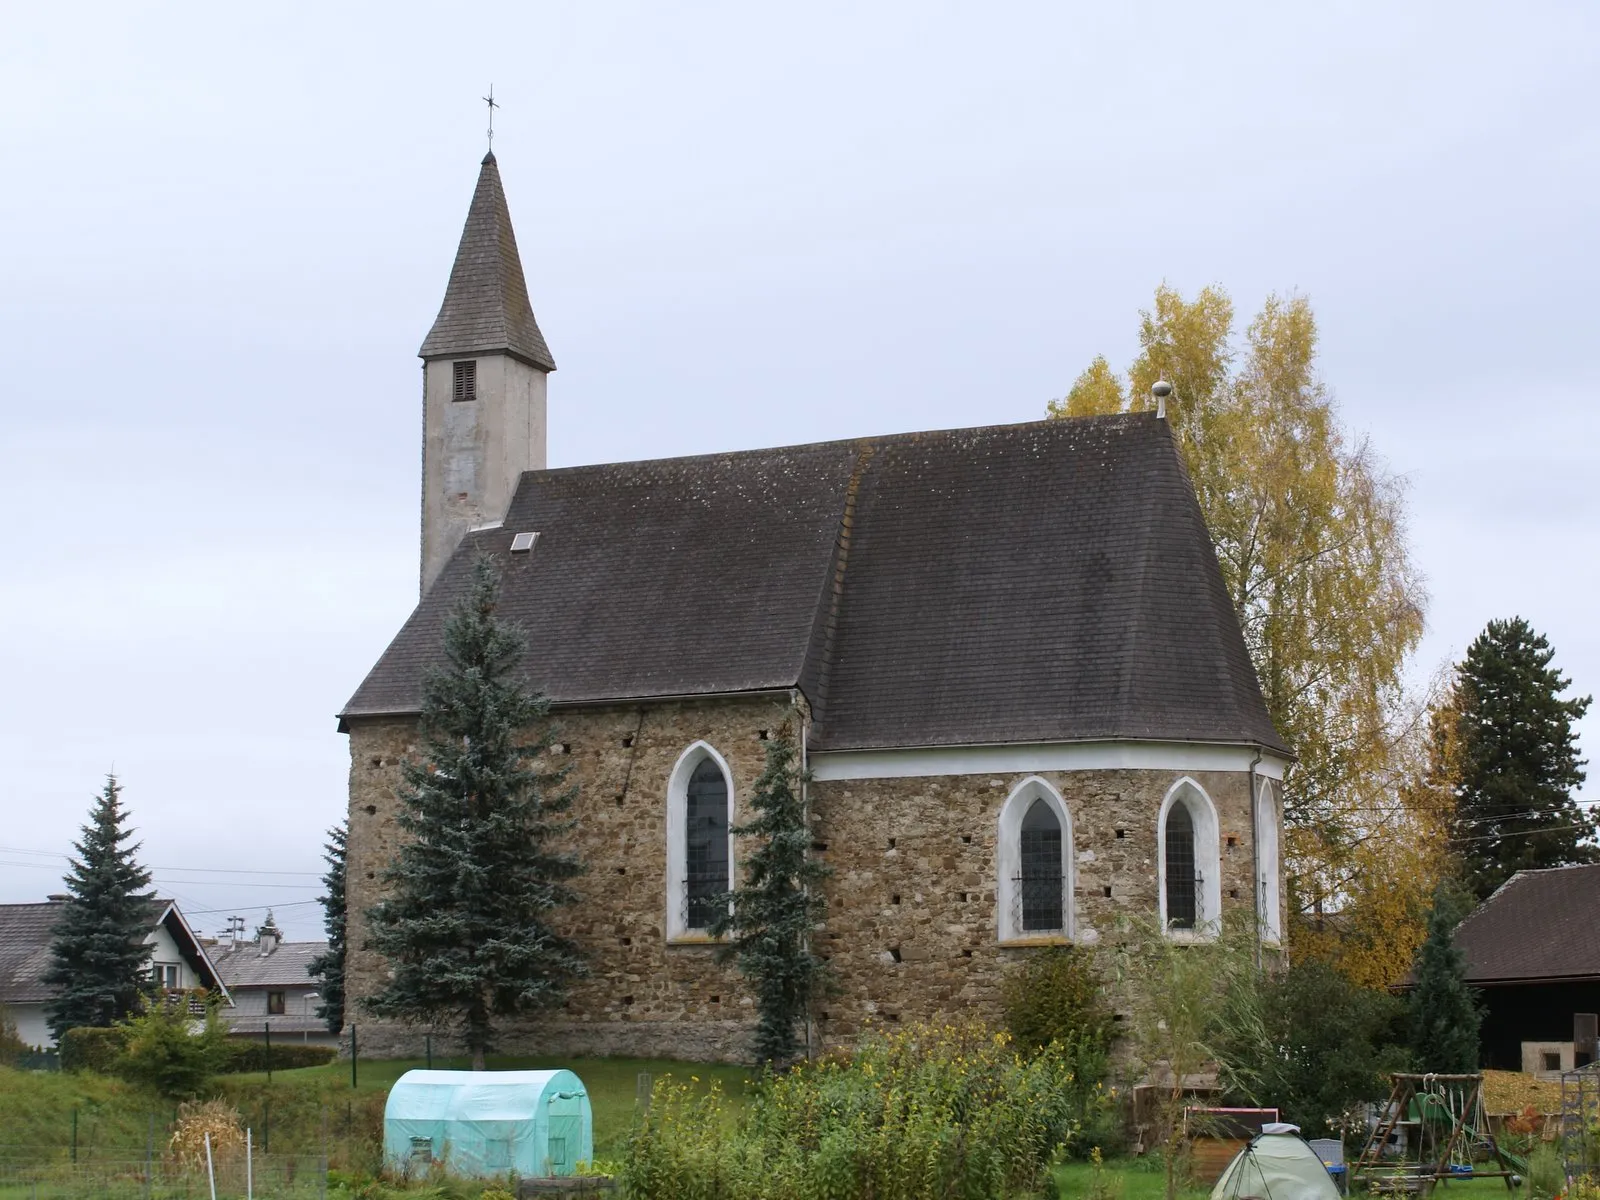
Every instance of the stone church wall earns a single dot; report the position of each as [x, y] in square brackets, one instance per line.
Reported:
[911, 925]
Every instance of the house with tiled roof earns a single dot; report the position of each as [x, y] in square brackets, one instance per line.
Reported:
[1533, 950]
[178, 961]
[1023, 695]
[273, 991]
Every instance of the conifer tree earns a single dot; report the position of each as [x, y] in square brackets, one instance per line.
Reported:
[328, 968]
[98, 959]
[1518, 761]
[466, 926]
[772, 915]
[1445, 1013]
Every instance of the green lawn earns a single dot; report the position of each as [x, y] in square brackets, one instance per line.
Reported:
[612, 1083]
[299, 1110]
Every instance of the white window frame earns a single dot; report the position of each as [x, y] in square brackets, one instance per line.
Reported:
[1269, 862]
[677, 829]
[1207, 860]
[1008, 862]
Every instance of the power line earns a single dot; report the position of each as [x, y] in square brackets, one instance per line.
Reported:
[185, 870]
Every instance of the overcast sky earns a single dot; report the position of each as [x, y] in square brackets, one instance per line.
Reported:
[224, 231]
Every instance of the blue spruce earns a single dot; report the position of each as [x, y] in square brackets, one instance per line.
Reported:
[98, 959]
[467, 926]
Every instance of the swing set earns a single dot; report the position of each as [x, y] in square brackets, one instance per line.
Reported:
[1433, 1129]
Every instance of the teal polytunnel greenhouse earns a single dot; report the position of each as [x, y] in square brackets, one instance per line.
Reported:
[485, 1123]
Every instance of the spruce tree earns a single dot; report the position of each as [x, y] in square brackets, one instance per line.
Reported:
[466, 925]
[328, 968]
[772, 915]
[1519, 763]
[98, 959]
[1445, 1013]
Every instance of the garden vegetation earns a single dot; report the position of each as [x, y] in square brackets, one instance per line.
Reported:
[954, 1111]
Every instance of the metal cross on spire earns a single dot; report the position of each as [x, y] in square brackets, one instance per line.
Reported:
[490, 101]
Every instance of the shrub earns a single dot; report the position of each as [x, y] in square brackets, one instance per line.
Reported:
[252, 1056]
[951, 1111]
[1323, 1047]
[166, 1053]
[12, 1047]
[1057, 997]
[88, 1049]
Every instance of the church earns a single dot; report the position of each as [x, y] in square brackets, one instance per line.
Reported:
[1025, 699]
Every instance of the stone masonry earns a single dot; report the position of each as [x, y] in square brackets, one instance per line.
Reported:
[911, 922]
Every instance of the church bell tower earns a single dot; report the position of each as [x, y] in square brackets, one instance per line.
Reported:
[484, 371]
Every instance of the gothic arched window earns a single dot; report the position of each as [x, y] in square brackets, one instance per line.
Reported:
[1041, 878]
[1191, 863]
[699, 841]
[705, 844]
[1034, 888]
[1183, 878]
[1267, 862]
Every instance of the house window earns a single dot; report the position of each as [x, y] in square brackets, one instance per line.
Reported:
[1552, 1060]
[699, 841]
[1190, 871]
[1034, 888]
[464, 381]
[165, 975]
[274, 1004]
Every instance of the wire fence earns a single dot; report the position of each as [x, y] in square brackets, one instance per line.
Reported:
[34, 1173]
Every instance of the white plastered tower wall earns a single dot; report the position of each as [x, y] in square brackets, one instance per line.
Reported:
[474, 451]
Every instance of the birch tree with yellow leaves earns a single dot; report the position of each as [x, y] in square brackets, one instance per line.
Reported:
[1309, 528]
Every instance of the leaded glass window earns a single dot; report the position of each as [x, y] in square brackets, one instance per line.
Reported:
[1183, 879]
[705, 844]
[1041, 884]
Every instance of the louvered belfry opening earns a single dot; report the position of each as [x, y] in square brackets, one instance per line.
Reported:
[1040, 885]
[464, 383]
[706, 844]
[1183, 881]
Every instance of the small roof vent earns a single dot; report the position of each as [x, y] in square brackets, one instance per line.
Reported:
[523, 542]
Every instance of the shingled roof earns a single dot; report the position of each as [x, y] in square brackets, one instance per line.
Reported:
[1050, 581]
[1540, 925]
[486, 308]
[26, 931]
[242, 965]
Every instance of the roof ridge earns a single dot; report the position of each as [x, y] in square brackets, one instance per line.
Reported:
[826, 624]
[878, 441]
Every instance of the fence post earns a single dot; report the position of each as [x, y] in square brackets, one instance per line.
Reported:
[322, 1121]
[74, 1133]
[266, 1126]
[211, 1172]
[266, 1028]
[249, 1168]
[353, 1054]
[427, 1042]
[149, 1151]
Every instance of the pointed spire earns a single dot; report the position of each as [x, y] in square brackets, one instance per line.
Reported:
[486, 308]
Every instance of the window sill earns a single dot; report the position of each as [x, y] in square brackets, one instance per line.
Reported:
[1023, 941]
[695, 939]
[1192, 937]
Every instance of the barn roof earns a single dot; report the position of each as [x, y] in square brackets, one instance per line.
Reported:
[1049, 581]
[1540, 925]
